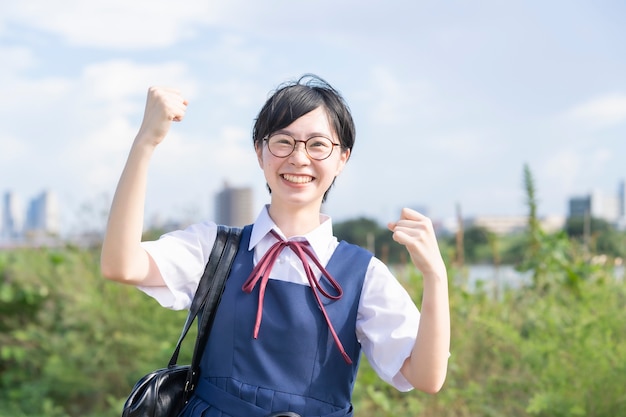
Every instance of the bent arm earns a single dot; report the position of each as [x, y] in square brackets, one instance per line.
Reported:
[426, 367]
[122, 257]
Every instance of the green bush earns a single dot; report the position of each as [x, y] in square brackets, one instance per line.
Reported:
[72, 344]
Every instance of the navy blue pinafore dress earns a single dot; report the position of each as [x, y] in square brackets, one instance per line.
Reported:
[294, 364]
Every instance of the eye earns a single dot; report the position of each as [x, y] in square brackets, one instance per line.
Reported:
[319, 142]
[281, 140]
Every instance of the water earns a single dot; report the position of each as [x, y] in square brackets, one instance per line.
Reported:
[493, 278]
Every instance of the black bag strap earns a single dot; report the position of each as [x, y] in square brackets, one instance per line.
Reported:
[209, 292]
[209, 306]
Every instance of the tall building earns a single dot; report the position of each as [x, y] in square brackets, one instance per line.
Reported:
[12, 226]
[605, 206]
[579, 207]
[233, 206]
[42, 217]
[608, 207]
[621, 196]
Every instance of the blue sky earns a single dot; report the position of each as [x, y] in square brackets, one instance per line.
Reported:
[450, 98]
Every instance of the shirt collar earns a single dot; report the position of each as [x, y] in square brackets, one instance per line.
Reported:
[319, 238]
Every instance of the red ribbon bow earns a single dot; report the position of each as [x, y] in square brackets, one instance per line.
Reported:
[301, 249]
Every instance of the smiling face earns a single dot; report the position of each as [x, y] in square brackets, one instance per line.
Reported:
[298, 181]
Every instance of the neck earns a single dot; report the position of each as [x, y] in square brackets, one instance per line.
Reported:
[295, 222]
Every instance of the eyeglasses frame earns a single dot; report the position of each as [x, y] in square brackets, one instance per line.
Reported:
[295, 144]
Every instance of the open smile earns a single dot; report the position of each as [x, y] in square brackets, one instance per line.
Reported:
[297, 179]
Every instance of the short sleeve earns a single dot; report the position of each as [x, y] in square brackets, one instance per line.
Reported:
[181, 257]
[387, 324]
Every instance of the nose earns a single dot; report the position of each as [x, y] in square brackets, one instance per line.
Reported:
[299, 152]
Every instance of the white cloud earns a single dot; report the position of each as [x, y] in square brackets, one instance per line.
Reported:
[234, 154]
[112, 137]
[115, 23]
[458, 144]
[15, 59]
[20, 90]
[601, 156]
[563, 166]
[394, 99]
[120, 82]
[597, 161]
[600, 112]
[12, 149]
[69, 110]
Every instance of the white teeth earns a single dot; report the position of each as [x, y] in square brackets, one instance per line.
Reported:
[298, 179]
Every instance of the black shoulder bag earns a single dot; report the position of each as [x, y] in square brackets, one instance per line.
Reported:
[164, 392]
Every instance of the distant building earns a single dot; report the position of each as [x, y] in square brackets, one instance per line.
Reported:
[599, 205]
[42, 217]
[605, 206]
[504, 225]
[552, 223]
[500, 225]
[621, 196]
[579, 207]
[234, 206]
[12, 226]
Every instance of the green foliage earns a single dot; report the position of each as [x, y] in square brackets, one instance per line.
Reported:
[476, 244]
[598, 235]
[369, 234]
[544, 353]
[72, 344]
[554, 348]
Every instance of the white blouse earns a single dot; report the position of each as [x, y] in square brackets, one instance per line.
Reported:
[387, 318]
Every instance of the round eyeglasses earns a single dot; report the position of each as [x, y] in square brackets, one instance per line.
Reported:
[282, 145]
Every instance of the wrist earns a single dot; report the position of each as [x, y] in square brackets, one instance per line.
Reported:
[145, 143]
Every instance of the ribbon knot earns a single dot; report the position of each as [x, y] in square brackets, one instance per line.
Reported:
[302, 249]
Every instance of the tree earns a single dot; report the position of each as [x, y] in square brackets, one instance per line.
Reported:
[369, 234]
[598, 235]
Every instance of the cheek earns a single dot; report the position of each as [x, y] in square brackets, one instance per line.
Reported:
[266, 160]
[268, 164]
[340, 166]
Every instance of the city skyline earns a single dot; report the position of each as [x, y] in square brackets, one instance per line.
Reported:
[607, 206]
[40, 217]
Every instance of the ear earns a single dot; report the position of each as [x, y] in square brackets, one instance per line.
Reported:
[258, 148]
[343, 159]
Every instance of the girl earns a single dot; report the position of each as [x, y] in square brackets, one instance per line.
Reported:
[299, 306]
